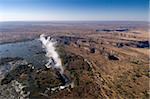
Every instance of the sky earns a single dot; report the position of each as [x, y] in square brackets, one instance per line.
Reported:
[74, 10]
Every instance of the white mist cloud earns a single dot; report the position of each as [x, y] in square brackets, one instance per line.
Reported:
[54, 60]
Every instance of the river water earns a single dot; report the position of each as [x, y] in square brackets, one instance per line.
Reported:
[31, 51]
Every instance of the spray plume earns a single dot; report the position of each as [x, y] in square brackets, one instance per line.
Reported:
[54, 60]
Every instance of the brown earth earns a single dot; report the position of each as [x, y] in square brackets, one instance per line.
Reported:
[102, 63]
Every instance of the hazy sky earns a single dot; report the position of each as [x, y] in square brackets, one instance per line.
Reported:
[51, 10]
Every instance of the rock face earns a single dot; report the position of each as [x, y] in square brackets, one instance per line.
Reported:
[10, 88]
[9, 59]
[15, 73]
[143, 44]
[92, 50]
[119, 45]
[112, 30]
[135, 44]
[26, 81]
[113, 57]
[23, 80]
[122, 30]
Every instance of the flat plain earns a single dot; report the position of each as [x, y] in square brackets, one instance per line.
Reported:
[104, 59]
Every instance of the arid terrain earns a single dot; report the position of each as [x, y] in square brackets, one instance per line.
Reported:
[102, 60]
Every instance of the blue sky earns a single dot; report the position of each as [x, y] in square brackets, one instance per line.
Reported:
[63, 10]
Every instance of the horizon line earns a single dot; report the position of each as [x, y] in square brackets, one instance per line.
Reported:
[75, 20]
